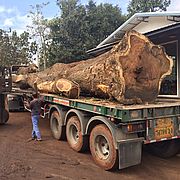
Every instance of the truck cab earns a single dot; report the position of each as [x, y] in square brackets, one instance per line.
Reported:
[5, 88]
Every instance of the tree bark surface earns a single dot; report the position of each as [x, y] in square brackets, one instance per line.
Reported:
[132, 70]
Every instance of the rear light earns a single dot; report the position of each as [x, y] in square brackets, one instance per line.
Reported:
[132, 128]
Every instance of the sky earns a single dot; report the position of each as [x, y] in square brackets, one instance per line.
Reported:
[13, 13]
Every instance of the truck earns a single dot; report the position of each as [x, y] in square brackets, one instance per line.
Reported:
[115, 133]
[5, 88]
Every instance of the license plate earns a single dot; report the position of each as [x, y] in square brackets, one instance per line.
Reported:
[164, 128]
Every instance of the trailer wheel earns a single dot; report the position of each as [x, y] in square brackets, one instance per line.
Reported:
[102, 148]
[5, 117]
[74, 135]
[57, 129]
[165, 149]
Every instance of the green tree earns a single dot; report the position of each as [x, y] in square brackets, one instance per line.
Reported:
[136, 6]
[67, 7]
[80, 28]
[39, 32]
[67, 35]
[16, 49]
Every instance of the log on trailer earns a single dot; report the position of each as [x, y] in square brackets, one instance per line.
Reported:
[132, 71]
[32, 68]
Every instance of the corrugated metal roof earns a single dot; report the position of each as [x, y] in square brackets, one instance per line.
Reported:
[143, 23]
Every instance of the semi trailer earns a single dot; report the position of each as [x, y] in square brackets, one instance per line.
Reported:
[115, 133]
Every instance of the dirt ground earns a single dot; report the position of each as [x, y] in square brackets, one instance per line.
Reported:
[52, 159]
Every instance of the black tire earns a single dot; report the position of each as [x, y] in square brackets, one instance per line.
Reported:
[102, 148]
[74, 136]
[56, 125]
[165, 149]
[5, 117]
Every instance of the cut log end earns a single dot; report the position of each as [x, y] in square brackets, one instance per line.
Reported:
[68, 88]
[61, 86]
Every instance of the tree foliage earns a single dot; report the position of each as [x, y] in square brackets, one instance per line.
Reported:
[80, 28]
[15, 49]
[65, 38]
[147, 6]
[39, 31]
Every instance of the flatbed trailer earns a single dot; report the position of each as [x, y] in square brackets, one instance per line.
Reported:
[114, 132]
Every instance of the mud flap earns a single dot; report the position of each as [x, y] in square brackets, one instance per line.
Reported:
[130, 152]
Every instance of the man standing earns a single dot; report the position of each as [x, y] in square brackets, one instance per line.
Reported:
[35, 107]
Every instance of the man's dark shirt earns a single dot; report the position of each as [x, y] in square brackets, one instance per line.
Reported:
[35, 106]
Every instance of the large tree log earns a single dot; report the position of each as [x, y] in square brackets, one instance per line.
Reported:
[131, 70]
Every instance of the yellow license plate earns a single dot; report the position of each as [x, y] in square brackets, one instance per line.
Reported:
[164, 128]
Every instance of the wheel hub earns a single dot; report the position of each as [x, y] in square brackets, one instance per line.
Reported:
[55, 124]
[102, 147]
[74, 134]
